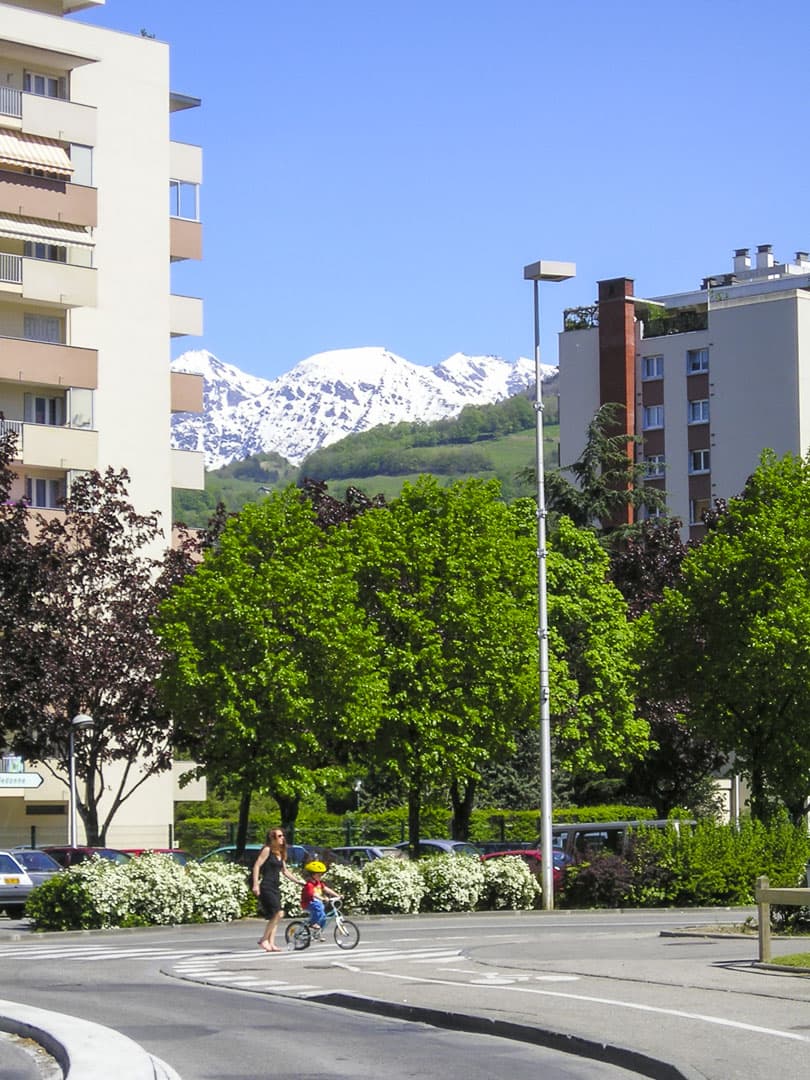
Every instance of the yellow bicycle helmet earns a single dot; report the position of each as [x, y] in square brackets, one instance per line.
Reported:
[315, 867]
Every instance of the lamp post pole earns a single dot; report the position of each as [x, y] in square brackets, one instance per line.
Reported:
[544, 270]
[78, 723]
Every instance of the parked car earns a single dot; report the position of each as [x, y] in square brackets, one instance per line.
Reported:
[357, 855]
[296, 854]
[584, 839]
[177, 854]
[534, 860]
[21, 870]
[443, 847]
[488, 846]
[72, 856]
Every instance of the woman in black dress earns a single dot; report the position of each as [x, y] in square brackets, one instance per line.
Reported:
[269, 866]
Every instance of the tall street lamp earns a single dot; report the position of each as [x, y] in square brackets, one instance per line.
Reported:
[544, 270]
[78, 723]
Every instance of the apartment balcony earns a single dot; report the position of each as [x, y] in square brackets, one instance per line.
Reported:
[47, 199]
[48, 117]
[47, 282]
[185, 239]
[187, 392]
[46, 446]
[188, 469]
[185, 162]
[42, 363]
[185, 315]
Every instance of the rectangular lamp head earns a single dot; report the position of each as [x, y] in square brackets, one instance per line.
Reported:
[548, 270]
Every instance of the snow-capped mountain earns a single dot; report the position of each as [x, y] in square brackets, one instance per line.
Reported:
[331, 395]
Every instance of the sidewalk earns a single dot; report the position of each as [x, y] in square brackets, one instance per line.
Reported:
[68, 1045]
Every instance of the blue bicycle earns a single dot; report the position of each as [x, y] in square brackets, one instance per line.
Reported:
[300, 933]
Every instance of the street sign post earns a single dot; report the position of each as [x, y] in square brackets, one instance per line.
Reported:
[20, 779]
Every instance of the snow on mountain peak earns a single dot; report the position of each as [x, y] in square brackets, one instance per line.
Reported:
[330, 395]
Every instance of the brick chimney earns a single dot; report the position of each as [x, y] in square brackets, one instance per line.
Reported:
[617, 358]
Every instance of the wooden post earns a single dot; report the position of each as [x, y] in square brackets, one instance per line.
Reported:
[763, 919]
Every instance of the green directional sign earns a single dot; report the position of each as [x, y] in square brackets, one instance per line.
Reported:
[20, 779]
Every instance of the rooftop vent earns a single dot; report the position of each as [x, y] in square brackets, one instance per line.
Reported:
[742, 261]
[764, 256]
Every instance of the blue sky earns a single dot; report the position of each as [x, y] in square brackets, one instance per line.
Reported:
[380, 173]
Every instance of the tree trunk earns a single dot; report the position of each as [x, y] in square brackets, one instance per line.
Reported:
[414, 807]
[288, 808]
[244, 818]
[87, 810]
[462, 808]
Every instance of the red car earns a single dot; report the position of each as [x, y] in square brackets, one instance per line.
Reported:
[534, 860]
[72, 856]
[181, 857]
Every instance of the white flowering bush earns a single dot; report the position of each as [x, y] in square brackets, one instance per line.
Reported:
[219, 893]
[452, 882]
[349, 882]
[393, 886]
[151, 890]
[290, 897]
[509, 884]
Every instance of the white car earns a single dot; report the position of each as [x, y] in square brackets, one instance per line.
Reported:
[21, 870]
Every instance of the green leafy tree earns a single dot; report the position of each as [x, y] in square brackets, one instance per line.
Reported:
[271, 672]
[445, 577]
[82, 643]
[448, 576]
[733, 635]
[594, 724]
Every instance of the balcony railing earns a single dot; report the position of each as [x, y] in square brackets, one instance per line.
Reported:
[11, 269]
[13, 427]
[10, 101]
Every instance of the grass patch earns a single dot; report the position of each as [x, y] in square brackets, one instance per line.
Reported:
[798, 960]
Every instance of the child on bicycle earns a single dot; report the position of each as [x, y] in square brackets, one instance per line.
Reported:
[313, 893]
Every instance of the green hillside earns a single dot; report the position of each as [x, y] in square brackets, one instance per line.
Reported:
[489, 441]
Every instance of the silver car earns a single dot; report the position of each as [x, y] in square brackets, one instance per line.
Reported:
[21, 870]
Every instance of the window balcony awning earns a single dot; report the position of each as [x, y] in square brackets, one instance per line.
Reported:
[47, 232]
[21, 151]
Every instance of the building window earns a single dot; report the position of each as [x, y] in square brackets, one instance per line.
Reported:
[699, 461]
[44, 85]
[697, 508]
[52, 252]
[654, 466]
[699, 411]
[44, 410]
[653, 417]
[184, 200]
[42, 328]
[652, 367]
[44, 494]
[697, 360]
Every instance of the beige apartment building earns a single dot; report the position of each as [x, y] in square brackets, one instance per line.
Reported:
[709, 377]
[96, 202]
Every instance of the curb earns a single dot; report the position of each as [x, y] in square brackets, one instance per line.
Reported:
[83, 1050]
[631, 1060]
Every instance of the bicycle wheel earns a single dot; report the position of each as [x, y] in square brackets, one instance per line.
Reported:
[346, 934]
[297, 935]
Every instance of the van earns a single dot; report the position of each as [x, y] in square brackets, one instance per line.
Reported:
[584, 839]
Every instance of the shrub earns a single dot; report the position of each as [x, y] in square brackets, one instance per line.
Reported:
[603, 881]
[452, 882]
[148, 891]
[349, 882]
[509, 884]
[393, 886]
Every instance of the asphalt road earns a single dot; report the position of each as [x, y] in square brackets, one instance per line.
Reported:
[211, 1004]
